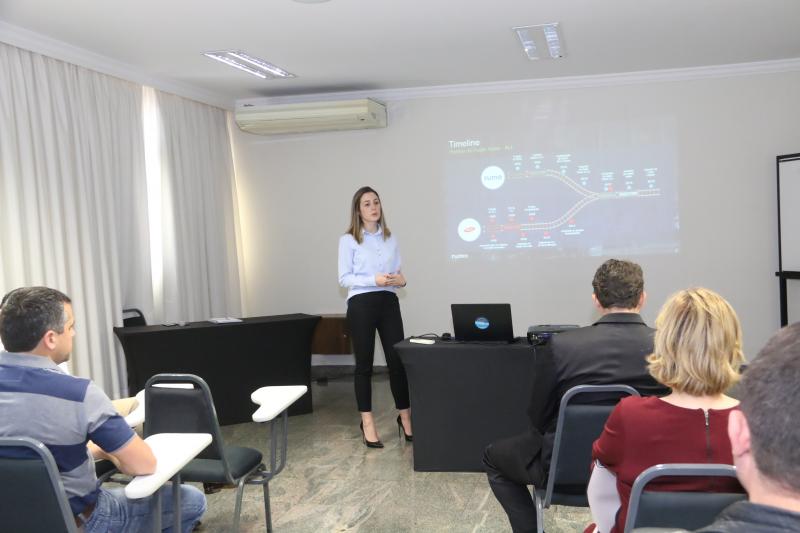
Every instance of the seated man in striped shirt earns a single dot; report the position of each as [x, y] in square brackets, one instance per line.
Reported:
[123, 406]
[38, 400]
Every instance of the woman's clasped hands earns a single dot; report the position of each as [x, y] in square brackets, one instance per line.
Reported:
[390, 280]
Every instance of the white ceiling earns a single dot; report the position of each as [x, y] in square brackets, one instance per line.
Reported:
[347, 45]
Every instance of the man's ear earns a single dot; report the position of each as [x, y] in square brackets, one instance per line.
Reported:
[49, 339]
[642, 299]
[596, 302]
[738, 433]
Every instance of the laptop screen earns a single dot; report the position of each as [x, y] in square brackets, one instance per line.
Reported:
[482, 322]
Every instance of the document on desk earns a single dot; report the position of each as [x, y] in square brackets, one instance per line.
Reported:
[224, 320]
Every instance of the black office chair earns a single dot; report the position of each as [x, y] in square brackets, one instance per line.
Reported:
[578, 426]
[31, 490]
[687, 510]
[171, 409]
[133, 317]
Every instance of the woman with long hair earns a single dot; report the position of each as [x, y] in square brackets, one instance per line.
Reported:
[369, 268]
[697, 353]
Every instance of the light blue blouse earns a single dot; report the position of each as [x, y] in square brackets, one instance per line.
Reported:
[358, 263]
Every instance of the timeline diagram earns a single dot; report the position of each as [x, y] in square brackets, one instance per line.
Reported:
[562, 204]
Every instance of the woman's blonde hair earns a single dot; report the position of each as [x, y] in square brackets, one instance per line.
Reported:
[698, 343]
[356, 224]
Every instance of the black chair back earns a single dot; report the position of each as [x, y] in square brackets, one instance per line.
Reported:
[687, 510]
[31, 491]
[578, 426]
[182, 410]
[133, 317]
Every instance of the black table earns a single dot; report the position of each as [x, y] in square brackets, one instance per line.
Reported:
[463, 397]
[234, 359]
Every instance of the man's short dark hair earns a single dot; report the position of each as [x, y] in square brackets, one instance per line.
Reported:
[769, 401]
[27, 313]
[618, 283]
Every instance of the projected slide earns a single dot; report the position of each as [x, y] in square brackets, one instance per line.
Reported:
[505, 200]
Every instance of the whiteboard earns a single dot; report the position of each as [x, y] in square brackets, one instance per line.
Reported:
[792, 301]
[789, 218]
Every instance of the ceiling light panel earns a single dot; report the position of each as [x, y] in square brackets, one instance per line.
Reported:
[250, 64]
[541, 41]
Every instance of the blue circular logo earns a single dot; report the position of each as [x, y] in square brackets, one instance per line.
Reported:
[481, 322]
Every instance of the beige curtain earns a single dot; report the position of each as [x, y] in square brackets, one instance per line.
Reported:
[73, 197]
[198, 269]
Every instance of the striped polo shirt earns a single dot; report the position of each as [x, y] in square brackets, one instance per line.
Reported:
[38, 400]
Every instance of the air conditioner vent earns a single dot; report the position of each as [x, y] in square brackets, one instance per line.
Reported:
[311, 117]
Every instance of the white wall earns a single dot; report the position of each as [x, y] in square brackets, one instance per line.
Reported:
[295, 193]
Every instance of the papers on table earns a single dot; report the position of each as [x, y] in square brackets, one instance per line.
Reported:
[224, 320]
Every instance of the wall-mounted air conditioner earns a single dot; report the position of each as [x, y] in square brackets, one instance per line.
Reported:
[308, 117]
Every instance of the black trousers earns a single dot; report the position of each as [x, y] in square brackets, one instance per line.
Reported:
[511, 465]
[366, 313]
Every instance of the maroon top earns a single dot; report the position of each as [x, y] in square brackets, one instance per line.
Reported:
[643, 432]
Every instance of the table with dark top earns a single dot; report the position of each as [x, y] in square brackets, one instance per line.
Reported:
[465, 396]
[234, 359]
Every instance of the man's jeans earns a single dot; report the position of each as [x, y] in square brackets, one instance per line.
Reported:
[116, 513]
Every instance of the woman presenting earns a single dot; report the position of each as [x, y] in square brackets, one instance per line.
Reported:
[369, 267]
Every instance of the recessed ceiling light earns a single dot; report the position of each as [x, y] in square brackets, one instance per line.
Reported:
[250, 64]
[536, 39]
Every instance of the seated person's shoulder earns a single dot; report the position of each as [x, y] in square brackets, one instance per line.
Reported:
[54, 383]
[638, 407]
[637, 402]
[574, 342]
[573, 332]
[570, 336]
[95, 394]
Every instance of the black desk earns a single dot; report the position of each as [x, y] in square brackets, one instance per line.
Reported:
[463, 397]
[234, 359]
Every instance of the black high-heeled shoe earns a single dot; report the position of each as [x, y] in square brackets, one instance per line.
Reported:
[401, 429]
[369, 443]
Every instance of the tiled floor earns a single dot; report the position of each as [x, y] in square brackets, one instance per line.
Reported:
[332, 482]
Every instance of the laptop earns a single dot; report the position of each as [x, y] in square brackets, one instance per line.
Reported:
[482, 322]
